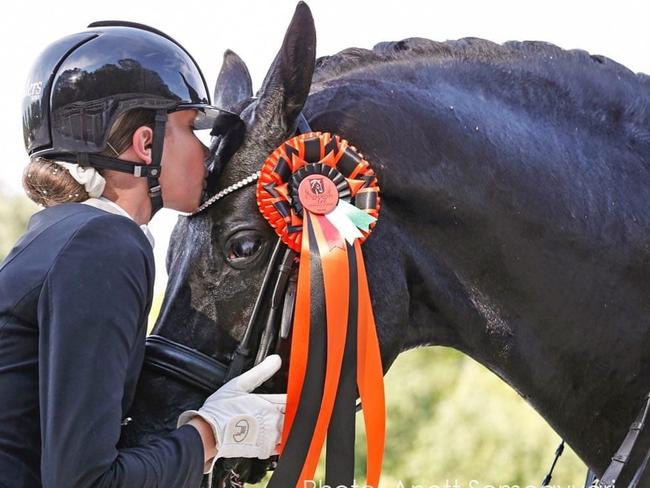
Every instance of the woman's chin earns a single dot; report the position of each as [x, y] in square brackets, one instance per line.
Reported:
[181, 207]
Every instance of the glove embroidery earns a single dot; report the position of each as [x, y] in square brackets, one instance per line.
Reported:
[241, 430]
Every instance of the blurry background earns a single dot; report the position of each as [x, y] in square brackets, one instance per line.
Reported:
[449, 419]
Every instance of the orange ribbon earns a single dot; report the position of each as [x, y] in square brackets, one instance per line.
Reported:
[325, 257]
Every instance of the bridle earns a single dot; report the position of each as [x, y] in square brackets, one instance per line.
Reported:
[198, 370]
[278, 289]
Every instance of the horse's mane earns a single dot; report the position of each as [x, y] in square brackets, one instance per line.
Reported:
[610, 91]
[466, 49]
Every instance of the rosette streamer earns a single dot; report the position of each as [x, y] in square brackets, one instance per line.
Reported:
[322, 198]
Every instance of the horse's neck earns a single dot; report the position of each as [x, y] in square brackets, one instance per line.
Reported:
[528, 256]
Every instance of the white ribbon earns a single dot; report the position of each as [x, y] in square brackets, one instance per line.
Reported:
[344, 225]
[90, 178]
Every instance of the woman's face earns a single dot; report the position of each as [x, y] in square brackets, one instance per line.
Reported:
[183, 172]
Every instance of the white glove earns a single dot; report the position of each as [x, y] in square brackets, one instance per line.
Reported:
[244, 424]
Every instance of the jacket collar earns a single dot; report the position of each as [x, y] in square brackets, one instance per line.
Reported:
[110, 206]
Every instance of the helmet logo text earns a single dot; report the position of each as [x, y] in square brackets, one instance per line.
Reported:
[34, 89]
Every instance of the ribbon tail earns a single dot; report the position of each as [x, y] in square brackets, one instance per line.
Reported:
[299, 342]
[306, 372]
[336, 287]
[370, 377]
[339, 468]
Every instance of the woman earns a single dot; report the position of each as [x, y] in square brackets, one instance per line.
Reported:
[108, 119]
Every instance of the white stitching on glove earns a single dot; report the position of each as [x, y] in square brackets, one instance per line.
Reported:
[244, 424]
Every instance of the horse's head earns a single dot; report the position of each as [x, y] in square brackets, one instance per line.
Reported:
[218, 258]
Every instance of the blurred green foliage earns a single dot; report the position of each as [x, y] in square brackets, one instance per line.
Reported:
[449, 419]
[15, 211]
[155, 308]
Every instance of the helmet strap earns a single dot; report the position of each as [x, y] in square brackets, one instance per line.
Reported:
[155, 192]
[150, 171]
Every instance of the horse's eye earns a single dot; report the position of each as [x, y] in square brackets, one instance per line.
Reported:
[244, 247]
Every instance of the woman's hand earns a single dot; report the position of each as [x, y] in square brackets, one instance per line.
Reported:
[244, 424]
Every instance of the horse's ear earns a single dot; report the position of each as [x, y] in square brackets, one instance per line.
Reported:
[286, 85]
[233, 83]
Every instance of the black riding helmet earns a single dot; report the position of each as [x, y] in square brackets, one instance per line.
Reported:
[81, 83]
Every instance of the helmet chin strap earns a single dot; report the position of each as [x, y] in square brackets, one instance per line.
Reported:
[150, 171]
[155, 192]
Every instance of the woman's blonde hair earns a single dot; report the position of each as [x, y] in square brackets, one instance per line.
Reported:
[47, 183]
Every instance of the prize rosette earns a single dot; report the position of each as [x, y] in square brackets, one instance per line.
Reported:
[323, 173]
[322, 198]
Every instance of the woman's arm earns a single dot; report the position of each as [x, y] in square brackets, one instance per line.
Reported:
[92, 312]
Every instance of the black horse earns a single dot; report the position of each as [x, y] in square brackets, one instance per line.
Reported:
[514, 227]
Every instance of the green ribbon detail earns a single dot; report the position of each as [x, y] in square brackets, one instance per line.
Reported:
[358, 217]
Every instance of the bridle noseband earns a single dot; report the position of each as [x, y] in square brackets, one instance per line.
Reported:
[201, 371]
